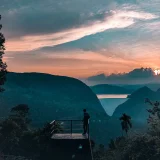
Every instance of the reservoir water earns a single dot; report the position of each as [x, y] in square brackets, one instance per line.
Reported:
[101, 96]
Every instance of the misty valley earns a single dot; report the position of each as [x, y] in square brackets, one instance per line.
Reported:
[65, 98]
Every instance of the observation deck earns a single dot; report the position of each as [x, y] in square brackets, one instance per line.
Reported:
[69, 141]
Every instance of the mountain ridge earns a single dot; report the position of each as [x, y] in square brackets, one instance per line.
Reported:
[136, 76]
[135, 106]
[110, 89]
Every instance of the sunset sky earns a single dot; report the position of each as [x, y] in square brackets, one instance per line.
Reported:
[80, 38]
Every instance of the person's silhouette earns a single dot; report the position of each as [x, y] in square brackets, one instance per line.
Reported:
[85, 121]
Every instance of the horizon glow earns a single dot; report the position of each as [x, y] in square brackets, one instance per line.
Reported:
[157, 72]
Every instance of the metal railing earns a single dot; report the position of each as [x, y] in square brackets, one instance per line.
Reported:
[68, 127]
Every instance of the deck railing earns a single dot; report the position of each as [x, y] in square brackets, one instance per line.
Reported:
[68, 127]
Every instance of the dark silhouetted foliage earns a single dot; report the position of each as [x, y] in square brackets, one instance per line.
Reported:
[21, 109]
[3, 66]
[18, 138]
[136, 147]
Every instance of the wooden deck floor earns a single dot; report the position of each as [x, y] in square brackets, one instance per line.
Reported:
[69, 136]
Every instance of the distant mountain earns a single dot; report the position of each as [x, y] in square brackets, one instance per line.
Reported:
[99, 77]
[52, 97]
[110, 89]
[158, 90]
[143, 92]
[136, 76]
[135, 106]
[153, 86]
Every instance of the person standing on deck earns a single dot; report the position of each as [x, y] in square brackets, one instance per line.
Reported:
[85, 121]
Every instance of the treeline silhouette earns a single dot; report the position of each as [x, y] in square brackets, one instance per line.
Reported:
[18, 138]
[138, 146]
[3, 66]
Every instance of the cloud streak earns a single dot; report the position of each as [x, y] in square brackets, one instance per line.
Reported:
[117, 19]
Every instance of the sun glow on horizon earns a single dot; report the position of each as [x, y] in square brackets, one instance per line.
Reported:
[157, 72]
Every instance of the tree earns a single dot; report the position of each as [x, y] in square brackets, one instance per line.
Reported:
[154, 117]
[22, 110]
[138, 146]
[20, 115]
[3, 66]
[13, 128]
[19, 138]
[9, 131]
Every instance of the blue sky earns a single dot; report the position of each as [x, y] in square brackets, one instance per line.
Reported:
[80, 38]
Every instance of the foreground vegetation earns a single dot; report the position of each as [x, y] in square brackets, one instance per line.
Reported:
[138, 147]
[19, 139]
[3, 65]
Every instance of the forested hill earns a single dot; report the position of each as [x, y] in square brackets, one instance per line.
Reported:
[52, 97]
[135, 106]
